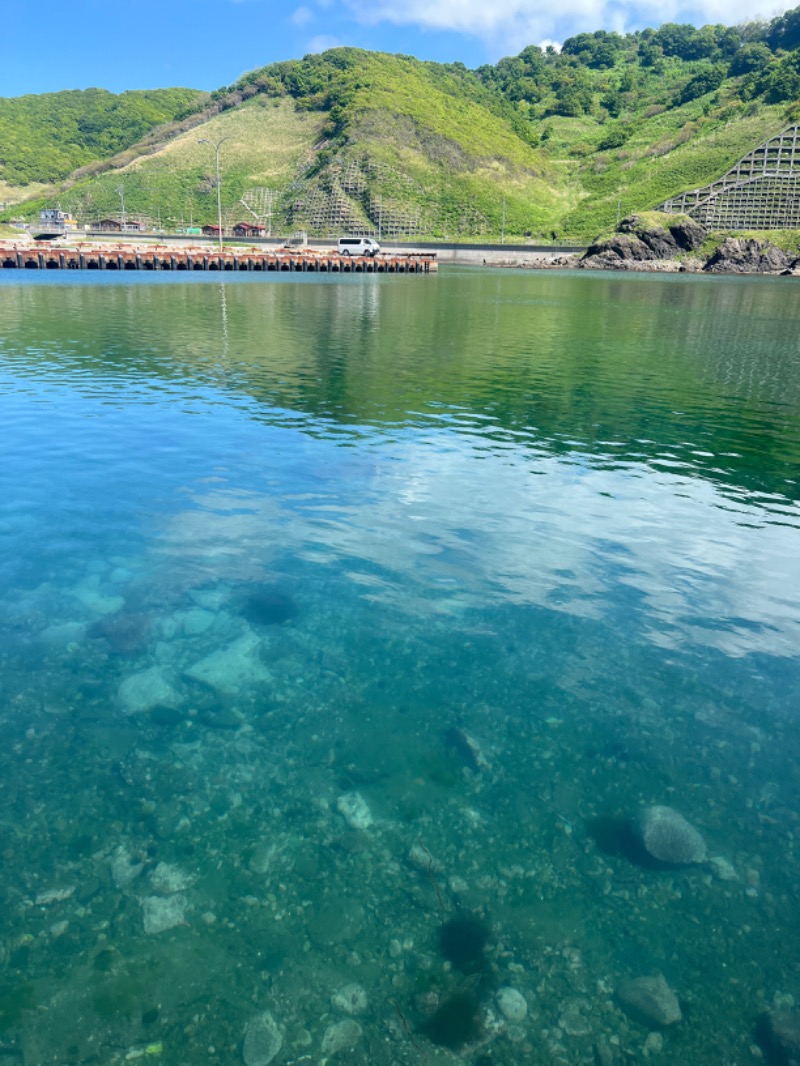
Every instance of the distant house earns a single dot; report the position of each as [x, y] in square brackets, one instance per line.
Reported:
[248, 229]
[54, 218]
[212, 231]
[133, 225]
[109, 225]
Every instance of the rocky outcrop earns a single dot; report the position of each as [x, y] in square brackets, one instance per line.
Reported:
[739, 255]
[635, 243]
[642, 245]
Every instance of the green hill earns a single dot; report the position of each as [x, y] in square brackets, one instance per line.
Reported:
[539, 144]
[45, 138]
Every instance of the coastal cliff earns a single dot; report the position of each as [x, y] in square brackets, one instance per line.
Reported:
[644, 243]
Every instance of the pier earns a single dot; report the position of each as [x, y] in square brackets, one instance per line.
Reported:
[130, 257]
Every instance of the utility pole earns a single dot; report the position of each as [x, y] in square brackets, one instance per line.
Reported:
[216, 146]
[121, 192]
[503, 230]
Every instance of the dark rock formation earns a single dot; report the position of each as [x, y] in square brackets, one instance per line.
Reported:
[739, 255]
[688, 235]
[637, 242]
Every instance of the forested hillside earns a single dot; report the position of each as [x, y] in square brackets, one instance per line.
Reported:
[44, 138]
[542, 143]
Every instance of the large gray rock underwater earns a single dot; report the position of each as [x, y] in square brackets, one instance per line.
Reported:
[667, 837]
[262, 1040]
[649, 1000]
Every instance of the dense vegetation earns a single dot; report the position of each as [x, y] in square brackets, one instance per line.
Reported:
[538, 144]
[44, 138]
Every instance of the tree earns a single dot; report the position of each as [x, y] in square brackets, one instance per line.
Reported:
[749, 59]
[784, 32]
[705, 82]
[781, 80]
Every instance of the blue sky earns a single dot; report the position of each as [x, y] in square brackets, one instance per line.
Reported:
[205, 44]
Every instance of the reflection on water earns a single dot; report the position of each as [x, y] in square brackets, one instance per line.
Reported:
[538, 533]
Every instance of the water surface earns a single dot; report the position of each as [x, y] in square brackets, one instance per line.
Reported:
[334, 610]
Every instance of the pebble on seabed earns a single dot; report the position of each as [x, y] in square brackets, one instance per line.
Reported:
[351, 999]
[353, 808]
[512, 1004]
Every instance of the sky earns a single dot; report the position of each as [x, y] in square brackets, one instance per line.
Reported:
[207, 44]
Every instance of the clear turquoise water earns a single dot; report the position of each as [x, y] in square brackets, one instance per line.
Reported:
[504, 555]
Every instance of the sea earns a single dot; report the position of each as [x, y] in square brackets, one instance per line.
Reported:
[399, 670]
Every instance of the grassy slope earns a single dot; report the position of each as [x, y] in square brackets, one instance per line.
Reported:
[464, 157]
[267, 141]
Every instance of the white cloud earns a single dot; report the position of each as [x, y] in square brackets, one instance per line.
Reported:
[512, 24]
[322, 43]
[301, 16]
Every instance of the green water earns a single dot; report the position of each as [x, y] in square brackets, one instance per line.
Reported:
[335, 612]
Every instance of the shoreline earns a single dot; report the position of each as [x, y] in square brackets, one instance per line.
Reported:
[745, 256]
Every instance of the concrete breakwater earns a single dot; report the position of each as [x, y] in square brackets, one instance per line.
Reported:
[132, 257]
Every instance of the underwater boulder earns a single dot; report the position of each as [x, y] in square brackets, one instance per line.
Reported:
[649, 1000]
[666, 836]
[262, 1040]
[512, 1004]
[126, 633]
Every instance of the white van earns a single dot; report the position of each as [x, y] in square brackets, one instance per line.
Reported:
[358, 246]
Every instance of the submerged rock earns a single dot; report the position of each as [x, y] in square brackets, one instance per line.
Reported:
[232, 668]
[163, 912]
[666, 836]
[512, 1004]
[783, 1027]
[342, 1036]
[262, 1040]
[167, 879]
[649, 1000]
[148, 689]
[65, 633]
[124, 867]
[350, 999]
[126, 633]
[723, 868]
[353, 808]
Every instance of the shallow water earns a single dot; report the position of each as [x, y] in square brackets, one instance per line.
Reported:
[335, 609]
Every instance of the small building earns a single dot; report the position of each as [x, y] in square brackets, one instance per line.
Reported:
[109, 225]
[248, 229]
[133, 225]
[53, 218]
[212, 231]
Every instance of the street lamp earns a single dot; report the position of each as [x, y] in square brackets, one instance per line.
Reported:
[216, 146]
